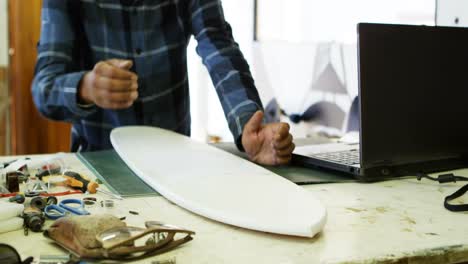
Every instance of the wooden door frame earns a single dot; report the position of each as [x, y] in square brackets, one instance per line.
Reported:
[30, 132]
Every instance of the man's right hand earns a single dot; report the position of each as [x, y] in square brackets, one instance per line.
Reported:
[110, 85]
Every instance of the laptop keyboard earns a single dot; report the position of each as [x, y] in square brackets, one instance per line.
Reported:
[347, 157]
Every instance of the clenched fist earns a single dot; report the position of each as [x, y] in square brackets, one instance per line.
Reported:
[269, 144]
[110, 85]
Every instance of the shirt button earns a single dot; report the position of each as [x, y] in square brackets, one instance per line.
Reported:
[138, 51]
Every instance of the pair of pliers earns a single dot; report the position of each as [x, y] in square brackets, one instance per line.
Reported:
[64, 208]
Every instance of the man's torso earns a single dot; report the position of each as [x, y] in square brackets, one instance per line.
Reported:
[153, 34]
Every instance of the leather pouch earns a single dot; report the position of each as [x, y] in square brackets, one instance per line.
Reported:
[77, 234]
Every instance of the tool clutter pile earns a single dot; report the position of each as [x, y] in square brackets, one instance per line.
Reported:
[29, 193]
[29, 196]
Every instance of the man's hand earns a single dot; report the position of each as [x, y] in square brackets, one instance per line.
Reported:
[269, 144]
[110, 85]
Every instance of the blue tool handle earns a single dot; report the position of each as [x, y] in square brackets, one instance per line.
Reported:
[54, 211]
[75, 210]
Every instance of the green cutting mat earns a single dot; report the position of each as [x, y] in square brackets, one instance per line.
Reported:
[295, 173]
[112, 170]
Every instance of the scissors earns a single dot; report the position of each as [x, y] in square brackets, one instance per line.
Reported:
[64, 208]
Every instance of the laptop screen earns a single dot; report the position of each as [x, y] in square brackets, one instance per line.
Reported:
[413, 88]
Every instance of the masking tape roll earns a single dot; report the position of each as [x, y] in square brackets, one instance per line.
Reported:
[10, 210]
[15, 223]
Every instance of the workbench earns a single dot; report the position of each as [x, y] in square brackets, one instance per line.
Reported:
[398, 221]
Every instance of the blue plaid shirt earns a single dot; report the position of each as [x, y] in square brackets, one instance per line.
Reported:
[154, 34]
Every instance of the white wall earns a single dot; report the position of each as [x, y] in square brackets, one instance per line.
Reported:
[335, 20]
[3, 33]
[452, 13]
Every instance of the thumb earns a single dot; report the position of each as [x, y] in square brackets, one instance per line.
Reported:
[255, 123]
[122, 64]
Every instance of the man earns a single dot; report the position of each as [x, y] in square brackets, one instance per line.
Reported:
[108, 63]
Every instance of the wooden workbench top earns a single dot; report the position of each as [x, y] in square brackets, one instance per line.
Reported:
[401, 221]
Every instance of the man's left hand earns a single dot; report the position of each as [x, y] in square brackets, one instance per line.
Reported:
[269, 144]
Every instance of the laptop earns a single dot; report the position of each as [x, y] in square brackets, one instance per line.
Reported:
[413, 105]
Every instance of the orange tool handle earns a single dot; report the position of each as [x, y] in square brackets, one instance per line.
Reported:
[76, 181]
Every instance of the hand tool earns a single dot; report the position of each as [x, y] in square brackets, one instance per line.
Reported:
[79, 182]
[64, 208]
[46, 171]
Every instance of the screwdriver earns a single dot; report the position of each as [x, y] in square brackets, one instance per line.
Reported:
[77, 181]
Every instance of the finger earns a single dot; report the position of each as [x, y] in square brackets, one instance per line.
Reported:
[116, 85]
[286, 151]
[283, 160]
[284, 143]
[122, 97]
[282, 131]
[116, 105]
[107, 97]
[108, 70]
[122, 64]
[254, 124]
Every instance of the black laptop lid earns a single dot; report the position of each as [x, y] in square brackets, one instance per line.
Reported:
[413, 86]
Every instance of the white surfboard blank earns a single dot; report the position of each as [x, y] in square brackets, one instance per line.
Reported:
[217, 184]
